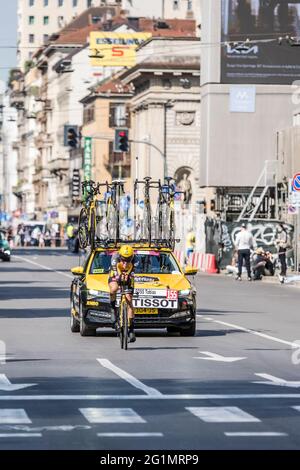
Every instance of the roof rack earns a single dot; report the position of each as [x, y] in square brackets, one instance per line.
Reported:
[113, 243]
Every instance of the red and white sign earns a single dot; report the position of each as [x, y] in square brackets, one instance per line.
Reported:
[172, 294]
[296, 182]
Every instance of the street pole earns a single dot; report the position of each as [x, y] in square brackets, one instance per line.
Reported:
[150, 144]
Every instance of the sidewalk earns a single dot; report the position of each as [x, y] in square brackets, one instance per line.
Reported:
[292, 278]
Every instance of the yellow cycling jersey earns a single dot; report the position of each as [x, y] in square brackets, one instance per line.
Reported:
[117, 267]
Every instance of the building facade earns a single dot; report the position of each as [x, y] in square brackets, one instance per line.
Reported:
[39, 19]
[166, 111]
[240, 122]
[181, 9]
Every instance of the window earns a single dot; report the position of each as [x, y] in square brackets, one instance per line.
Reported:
[89, 3]
[46, 20]
[60, 3]
[46, 37]
[89, 114]
[96, 19]
[175, 4]
[189, 5]
[46, 3]
[75, 3]
[31, 19]
[118, 115]
[31, 38]
[31, 3]
[60, 21]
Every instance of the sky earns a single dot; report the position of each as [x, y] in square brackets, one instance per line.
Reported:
[8, 36]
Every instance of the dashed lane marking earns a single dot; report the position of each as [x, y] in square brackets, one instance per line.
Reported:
[222, 414]
[14, 416]
[20, 434]
[111, 415]
[255, 434]
[252, 332]
[130, 434]
[43, 266]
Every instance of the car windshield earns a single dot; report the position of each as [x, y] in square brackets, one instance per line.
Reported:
[145, 263]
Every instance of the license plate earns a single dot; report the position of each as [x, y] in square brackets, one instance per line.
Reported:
[146, 311]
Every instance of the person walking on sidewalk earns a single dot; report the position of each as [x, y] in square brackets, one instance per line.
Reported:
[282, 243]
[244, 242]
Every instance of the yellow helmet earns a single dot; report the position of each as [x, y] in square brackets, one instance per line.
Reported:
[126, 252]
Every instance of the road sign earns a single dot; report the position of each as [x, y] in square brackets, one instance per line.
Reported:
[296, 182]
[292, 209]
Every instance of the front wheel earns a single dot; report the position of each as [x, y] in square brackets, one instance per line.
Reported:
[92, 231]
[74, 324]
[83, 328]
[83, 234]
[190, 331]
[123, 326]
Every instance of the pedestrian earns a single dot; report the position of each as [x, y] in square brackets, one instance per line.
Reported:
[21, 233]
[190, 243]
[244, 242]
[259, 264]
[70, 235]
[282, 244]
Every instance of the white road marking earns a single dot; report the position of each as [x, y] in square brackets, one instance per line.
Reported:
[129, 378]
[13, 416]
[218, 357]
[271, 380]
[63, 428]
[130, 434]
[111, 415]
[246, 396]
[222, 414]
[44, 267]
[7, 386]
[254, 332]
[255, 434]
[20, 435]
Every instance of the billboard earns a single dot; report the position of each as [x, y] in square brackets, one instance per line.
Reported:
[260, 61]
[115, 49]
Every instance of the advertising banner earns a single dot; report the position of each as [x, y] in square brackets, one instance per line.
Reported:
[115, 49]
[263, 60]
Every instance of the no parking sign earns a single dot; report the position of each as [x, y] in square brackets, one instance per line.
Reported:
[296, 182]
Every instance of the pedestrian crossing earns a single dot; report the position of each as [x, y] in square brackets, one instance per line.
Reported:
[13, 421]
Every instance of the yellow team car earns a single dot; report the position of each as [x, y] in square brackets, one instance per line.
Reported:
[163, 296]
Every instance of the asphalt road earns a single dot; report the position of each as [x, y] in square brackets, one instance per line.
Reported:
[236, 385]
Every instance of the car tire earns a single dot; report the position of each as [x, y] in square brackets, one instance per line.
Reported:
[74, 323]
[6, 259]
[83, 328]
[190, 331]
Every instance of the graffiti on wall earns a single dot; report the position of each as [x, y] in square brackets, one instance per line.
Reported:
[221, 236]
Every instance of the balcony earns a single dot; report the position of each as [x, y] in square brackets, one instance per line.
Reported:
[17, 99]
[43, 140]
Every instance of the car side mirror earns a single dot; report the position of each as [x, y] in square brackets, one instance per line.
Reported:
[190, 270]
[77, 271]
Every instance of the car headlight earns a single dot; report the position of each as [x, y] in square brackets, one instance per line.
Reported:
[7, 252]
[184, 292]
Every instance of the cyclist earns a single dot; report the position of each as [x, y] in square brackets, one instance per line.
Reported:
[122, 271]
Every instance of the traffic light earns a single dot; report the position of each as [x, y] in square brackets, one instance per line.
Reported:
[71, 137]
[121, 140]
[76, 184]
